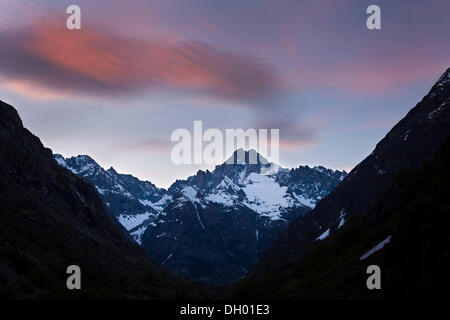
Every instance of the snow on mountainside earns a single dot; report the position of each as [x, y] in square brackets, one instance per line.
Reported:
[265, 196]
[266, 192]
[132, 201]
[243, 200]
[136, 203]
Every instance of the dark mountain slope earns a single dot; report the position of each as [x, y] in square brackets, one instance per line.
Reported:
[50, 219]
[414, 213]
[415, 139]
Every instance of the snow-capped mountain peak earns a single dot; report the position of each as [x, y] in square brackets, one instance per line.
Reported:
[248, 198]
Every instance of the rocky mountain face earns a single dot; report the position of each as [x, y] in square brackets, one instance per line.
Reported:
[51, 218]
[394, 188]
[129, 199]
[212, 226]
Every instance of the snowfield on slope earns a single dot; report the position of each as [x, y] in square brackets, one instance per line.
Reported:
[132, 221]
[265, 196]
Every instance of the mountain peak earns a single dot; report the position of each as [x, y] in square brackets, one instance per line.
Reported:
[445, 75]
[112, 170]
[9, 114]
[443, 81]
[242, 156]
[84, 158]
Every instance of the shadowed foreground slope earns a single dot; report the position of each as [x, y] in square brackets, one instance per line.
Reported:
[415, 212]
[400, 190]
[50, 219]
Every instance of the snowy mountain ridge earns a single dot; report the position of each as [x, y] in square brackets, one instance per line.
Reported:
[228, 185]
[222, 218]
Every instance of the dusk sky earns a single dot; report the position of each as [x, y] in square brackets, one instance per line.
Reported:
[137, 70]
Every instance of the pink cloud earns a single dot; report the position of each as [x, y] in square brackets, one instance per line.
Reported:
[32, 90]
[94, 61]
[367, 77]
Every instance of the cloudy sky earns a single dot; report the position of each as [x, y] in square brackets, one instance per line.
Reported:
[137, 70]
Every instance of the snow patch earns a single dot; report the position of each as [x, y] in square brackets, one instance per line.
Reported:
[132, 221]
[438, 109]
[137, 234]
[324, 235]
[200, 220]
[158, 205]
[376, 248]
[265, 196]
[100, 190]
[342, 218]
[221, 193]
[305, 201]
[170, 256]
[61, 161]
